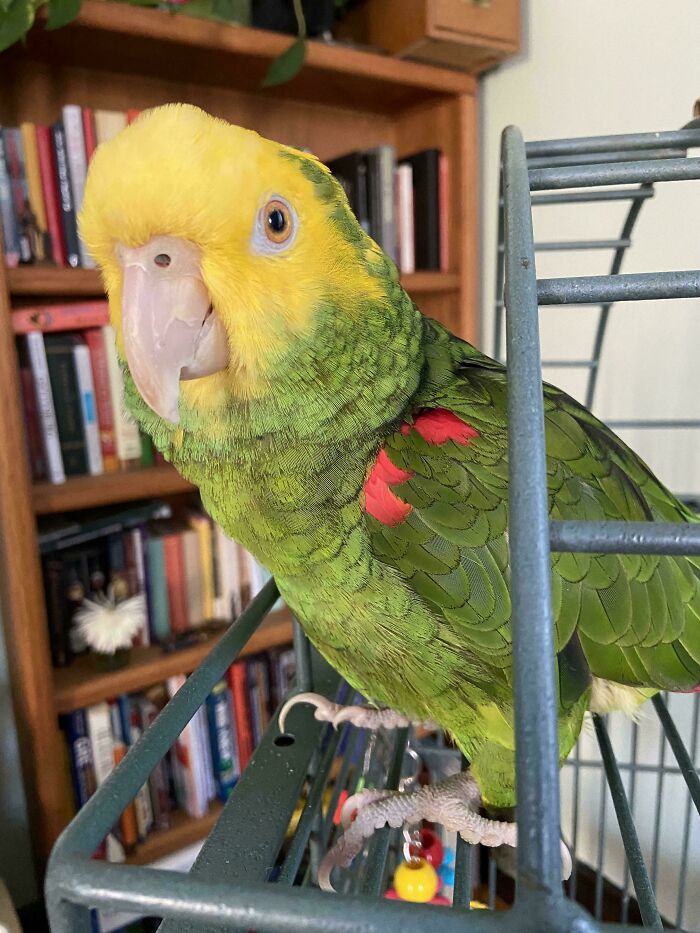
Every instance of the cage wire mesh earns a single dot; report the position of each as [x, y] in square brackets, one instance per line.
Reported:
[629, 815]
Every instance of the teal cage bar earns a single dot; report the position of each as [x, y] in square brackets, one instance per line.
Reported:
[239, 882]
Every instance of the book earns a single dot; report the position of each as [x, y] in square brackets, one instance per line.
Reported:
[14, 156]
[175, 579]
[66, 395]
[159, 780]
[229, 604]
[128, 827]
[203, 528]
[99, 727]
[94, 338]
[53, 457]
[89, 132]
[50, 193]
[88, 408]
[82, 767]
[159, 616]
[41, 244]
[237, 679]
[205, 764]
[30, 410]
[444, 207]
[53, 590]
[351, 171]
[125, 428]
[188, 761]
[426, 207]
[10, 232]
[381, 162]
[65, 194]
[142, 800]
[107, 124]
[404, 219]
[193, 577]
[63, 531]
[283, 674]
[221, 740]
[77, 166]
[58, 317]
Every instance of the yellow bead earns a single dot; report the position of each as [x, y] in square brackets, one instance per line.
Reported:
[416, 881]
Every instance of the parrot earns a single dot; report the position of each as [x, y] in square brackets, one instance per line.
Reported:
[359, 450]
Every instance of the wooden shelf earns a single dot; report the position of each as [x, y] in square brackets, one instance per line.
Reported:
[106, 36]
[81, 685]
[38, 281]
[183, 832]
[54, 281]
[86, 492]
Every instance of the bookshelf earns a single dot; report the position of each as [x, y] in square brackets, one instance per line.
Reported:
[119, 57]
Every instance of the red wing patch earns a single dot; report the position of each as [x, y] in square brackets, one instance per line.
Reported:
[380, 501]
[440, 425]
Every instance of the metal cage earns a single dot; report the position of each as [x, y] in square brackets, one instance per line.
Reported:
[239, 881]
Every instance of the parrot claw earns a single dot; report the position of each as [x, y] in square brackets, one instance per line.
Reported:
[364, 717]
[454, 803]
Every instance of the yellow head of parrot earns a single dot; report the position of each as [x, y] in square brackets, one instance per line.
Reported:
[215, 247]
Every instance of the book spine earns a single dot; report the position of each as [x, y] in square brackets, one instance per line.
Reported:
[86, 390]
[52, 206]
[103, 399]
[89, 133]
[50, 318]
[160, 618]
[443, 209]
[223, 752]
[193, 577]
[254, 701]
[139, 558]
[205, 763]
[186, 753]
[158, 781]
[142, 800]
[77, 163]
[126, 430]
[80, 756]
[102, 743]
[46, 409]
[237, 679]
[64, 387]
[31, 420]
[202, 526]
[20, 193]
[10, 232]
[175, 580]
[53, 590]
[406, 233]
[128, 828]
[387, 165]
[63, 184]
[34, 190]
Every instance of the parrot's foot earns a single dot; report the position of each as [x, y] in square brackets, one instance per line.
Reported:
[454, 803]
[364, 717]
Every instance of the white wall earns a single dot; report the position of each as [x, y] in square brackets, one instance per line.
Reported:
[596, 68]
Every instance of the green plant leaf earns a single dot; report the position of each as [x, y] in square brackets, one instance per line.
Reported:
[61, 12]
[15, 22]
[286, 65]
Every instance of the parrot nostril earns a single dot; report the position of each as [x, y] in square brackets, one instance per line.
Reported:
[162, 260]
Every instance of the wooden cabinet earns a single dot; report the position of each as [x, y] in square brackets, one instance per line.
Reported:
[465, 34]
[117, 57]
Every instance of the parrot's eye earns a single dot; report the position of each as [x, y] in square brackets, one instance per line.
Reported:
[278, 221]
[162, 260]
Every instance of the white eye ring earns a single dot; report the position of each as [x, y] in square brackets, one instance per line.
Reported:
[265, 239]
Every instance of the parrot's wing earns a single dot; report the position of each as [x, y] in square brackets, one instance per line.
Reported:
[437, 512]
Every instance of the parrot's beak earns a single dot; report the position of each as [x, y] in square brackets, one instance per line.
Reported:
[169, 327]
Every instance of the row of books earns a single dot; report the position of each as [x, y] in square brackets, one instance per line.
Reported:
[206, 761]
[402, 205]
[192, 576]
[72, 393]
[42, 181]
